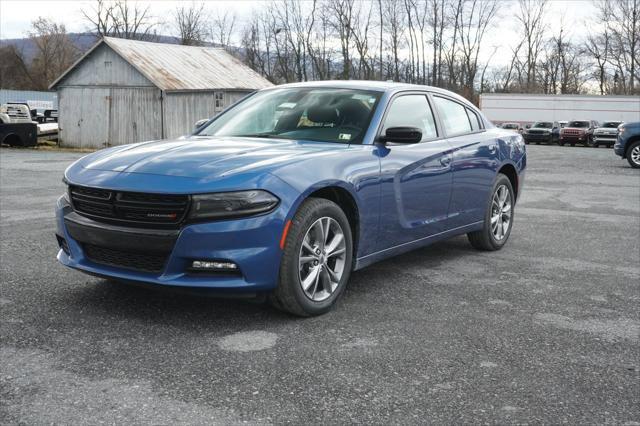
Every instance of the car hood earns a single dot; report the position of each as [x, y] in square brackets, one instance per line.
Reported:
[198, 157]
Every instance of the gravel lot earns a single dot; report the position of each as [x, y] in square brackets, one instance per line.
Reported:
[544, 331]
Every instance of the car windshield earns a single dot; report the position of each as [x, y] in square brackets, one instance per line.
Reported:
[509, 126]
[611, 124]
[317, 114]
[543, 125]
[578, 124]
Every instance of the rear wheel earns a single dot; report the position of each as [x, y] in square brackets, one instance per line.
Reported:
[498, 218]
[317, 258]
[633, 155]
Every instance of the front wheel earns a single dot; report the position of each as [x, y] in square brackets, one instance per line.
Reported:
[316, 261]
[498, 218]
[633, 155]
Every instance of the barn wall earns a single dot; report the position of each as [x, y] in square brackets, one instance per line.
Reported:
[104, 67]
[183, 109]
[97, 117]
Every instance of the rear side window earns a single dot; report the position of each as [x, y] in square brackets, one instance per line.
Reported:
[411, 111]
[475, 121]
[453, 115]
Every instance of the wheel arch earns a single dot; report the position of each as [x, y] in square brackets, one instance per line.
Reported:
[511, 172]
[12, 139]
[630, 141]
[344, 196]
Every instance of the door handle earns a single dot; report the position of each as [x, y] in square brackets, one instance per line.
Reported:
[445, 161]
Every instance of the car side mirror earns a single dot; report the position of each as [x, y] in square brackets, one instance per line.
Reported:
[201, 123]
[402, 135]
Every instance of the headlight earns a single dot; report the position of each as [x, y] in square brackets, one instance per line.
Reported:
[621, 129]
[231, 204]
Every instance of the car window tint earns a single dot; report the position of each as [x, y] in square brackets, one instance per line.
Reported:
[453, 115]
[473, 118]
[411, 111]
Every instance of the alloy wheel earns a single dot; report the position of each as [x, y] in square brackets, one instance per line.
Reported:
[635, 155]
[501, 207]
[321, 262]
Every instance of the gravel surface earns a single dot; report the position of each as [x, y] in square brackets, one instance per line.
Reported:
[544, 331]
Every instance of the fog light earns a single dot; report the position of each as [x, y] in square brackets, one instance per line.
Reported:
[213, 265]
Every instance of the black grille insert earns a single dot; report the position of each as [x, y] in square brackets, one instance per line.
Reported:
[132, 208]
[146, 262]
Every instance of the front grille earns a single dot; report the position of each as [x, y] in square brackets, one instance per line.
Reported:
[146, 262]
[131, 208]
[573, 132]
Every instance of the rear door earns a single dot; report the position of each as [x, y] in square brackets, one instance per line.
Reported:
[416, 178]
[475, 155]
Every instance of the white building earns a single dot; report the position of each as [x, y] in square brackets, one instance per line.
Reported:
[523, 109]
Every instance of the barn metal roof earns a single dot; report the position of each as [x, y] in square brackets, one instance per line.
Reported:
[174, 67]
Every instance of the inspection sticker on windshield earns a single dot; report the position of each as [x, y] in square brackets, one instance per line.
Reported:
[344, 136]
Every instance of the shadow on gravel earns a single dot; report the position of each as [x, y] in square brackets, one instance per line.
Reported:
[101, 297]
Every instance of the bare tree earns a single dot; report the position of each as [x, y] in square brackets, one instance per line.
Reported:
[222, 26]
[477, 16]
[54, 52]
[622, 18]
[531, 19]
[14, 70]
[343, 11]
[191, 24]
[120, 19]
[598, 46]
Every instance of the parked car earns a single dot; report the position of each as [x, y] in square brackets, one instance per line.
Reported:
[606, 133]
[542, 131]
[628, 143]
[578, 131]
[288, 191]
[511, 126]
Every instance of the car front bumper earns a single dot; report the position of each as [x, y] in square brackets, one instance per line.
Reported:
[538, 137]
[573, 138]
[251, 243]
[608, 139]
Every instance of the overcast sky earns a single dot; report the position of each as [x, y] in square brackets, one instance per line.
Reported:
[16, 17]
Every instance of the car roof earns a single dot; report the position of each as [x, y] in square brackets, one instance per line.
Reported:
[380, 86]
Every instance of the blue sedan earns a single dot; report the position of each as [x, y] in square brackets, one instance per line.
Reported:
[290, 190]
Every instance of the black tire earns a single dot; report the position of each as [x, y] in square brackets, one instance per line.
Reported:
[573, 144]
[484, 239]
[289, 295]
[635, 165]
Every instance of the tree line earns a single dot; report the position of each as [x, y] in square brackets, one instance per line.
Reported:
[444, 43]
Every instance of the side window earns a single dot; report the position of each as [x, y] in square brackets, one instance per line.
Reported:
[475, 121]
[411, 111]
[453, 115]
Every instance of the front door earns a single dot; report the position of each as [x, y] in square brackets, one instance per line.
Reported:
[416, 179]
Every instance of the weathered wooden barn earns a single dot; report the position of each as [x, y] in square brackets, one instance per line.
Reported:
[124, 91]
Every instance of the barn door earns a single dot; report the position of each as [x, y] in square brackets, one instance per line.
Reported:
[83, 117]
[94, 128]
[134, 115]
